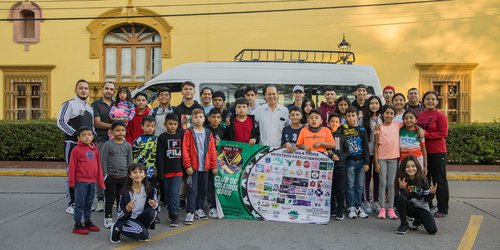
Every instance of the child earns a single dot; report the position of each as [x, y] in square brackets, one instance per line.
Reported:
[218, 132]
[315, 137]
[242, 126]
[398, 100]
[198, 157]
[371, 118]
[115, 158]
[386, 155]
[84, 171]
[291, 132]
[339, 154]
[123, 109]
[164, 109]
[307, 106]
[356, 163]
[144, 148]
[413, 196]
[169, 166]
[134, 128]
[412, 140]
[360, 92]
[218, 100]
[342, 104]
[137, 209]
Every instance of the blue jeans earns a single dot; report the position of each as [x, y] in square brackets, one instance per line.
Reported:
[171, 195]
[84, 196]
[355, 182]
[197, 191]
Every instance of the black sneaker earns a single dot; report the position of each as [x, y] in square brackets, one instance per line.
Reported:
[415, 224]
[338, 216]
[174, 221]
[114, 235]
[402, 229]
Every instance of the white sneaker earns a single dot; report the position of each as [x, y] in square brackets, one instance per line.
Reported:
[213, 213]
[199, 214]
[108, 222]
[361, 213]
[99, 207]
[189, 219]
[352, 213]
[368, 207]
[71, 209]
[376, 206]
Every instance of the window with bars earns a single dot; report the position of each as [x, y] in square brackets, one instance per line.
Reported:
[449, 99]
[132, 53]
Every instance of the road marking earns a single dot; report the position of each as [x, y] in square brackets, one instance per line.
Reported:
[470, 235]
[165, 235]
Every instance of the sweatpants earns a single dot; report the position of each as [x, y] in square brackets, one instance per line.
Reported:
[70, 191]
[197, 191]
[98, 190]
[84, 197]
[437, 173]
[137, 228]
[424, 216]
[368, 179]
[114, 186]
[338, 190]
[387, 176]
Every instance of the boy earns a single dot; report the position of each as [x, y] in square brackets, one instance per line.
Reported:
[218, 100]
[188, 104]
[339, 154]
[251, 95]
[242, 126]
[83, 173]
[198, 157]
[161, 111]
[356, 163]
[360, 92]
[144, 148]
[328, 107]
[218, 132]
[115, 158]
[291, 132]
[169, 166]
[315, 137]
[388, 93]
[134, 127]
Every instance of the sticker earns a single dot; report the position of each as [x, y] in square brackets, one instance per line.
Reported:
[314, 174]
[307, 164]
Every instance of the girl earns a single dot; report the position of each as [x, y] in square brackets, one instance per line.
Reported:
[412, 140]
[413, 194]
[138, 207]
[398, 100]
[386, 152]
[123, 109]
[342, 104]
[435, 125]
[371, 117]
[307, 106]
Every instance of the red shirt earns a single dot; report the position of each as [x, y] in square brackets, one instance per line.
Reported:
[243, 130]
[435, 125]
[134, 127]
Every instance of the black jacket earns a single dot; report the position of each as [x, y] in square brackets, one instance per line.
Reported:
[123, 215]
[341, 148]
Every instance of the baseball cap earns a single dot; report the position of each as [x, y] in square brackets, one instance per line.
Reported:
[389, 87]
[298, 88]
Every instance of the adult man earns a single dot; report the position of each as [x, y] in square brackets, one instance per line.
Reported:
[271, 118]
[206, 99]
[74, 113]
[328, 106]
[298, 95]
[414, 101]
[388, 93]
[102, 123]
[187, 106]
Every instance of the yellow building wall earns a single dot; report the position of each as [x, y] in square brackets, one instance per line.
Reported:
[391, 38]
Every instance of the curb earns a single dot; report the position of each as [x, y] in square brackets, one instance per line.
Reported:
[473, 177]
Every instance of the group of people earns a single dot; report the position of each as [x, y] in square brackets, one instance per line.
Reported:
[129, 154]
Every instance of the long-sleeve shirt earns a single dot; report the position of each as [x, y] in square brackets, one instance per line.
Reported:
[144, 151]
[418, 194]
[358, 143]
[124, 110]
[435, 125]
[85, 165]
[115, 158]
[74, 114]
[341, 148]
[169, 154]
[134, 127]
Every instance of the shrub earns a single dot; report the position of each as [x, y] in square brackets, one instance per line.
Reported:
[474, 144]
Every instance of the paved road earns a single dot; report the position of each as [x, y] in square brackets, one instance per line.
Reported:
[33, 217]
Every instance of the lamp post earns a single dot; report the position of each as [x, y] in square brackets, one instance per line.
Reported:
[344, 47]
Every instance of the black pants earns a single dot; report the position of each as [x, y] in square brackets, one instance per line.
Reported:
[70, 191]
[406, 208]
[338, 192]
[211, 191]
[112, 193]
[137, 228]
[437, 174]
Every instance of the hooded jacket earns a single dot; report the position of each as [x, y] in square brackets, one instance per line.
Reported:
[85, 165]
[190, 151]
[326, 111]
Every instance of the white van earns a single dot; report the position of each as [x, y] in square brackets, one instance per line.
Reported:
[230, 76]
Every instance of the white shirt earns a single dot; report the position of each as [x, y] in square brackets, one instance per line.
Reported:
[271, 124]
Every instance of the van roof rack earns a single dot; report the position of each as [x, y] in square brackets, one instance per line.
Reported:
[295, 56]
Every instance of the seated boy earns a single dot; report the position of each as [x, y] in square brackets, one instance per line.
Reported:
[291, 132]
[242, 126]
[315, 137]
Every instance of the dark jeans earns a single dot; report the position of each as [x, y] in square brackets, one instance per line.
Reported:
[355, 180]
[368, 178]
[406, 208]
[137, 228]
[70, 191]
[197, 191]
[171, 195]
[84, 197]
[112, 193]
[211, 191]
[338, 189]
[437, 174]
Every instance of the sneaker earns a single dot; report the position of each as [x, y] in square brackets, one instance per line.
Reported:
[199, 214]
[376, 206]
[415, 225]
[174, 221]
[402, 229]
[114, 235]
[189, 218]
[439, 214]
[432, 207]
[392, 214]
[79, 229]
[71, 209]
[352, 213]
[338, 216]
[91, 227]
[144, 240]
[99, 207]
[368, 207]
[361, 213]
[213, 213]
[157, 220]
[108, 222]
[381, 213]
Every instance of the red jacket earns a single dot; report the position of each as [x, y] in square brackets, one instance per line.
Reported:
[85, 165]
[326, 111]
[190, 151]
[134, 127]
[435, 125]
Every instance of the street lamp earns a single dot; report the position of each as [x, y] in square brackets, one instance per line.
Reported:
[344, 47]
